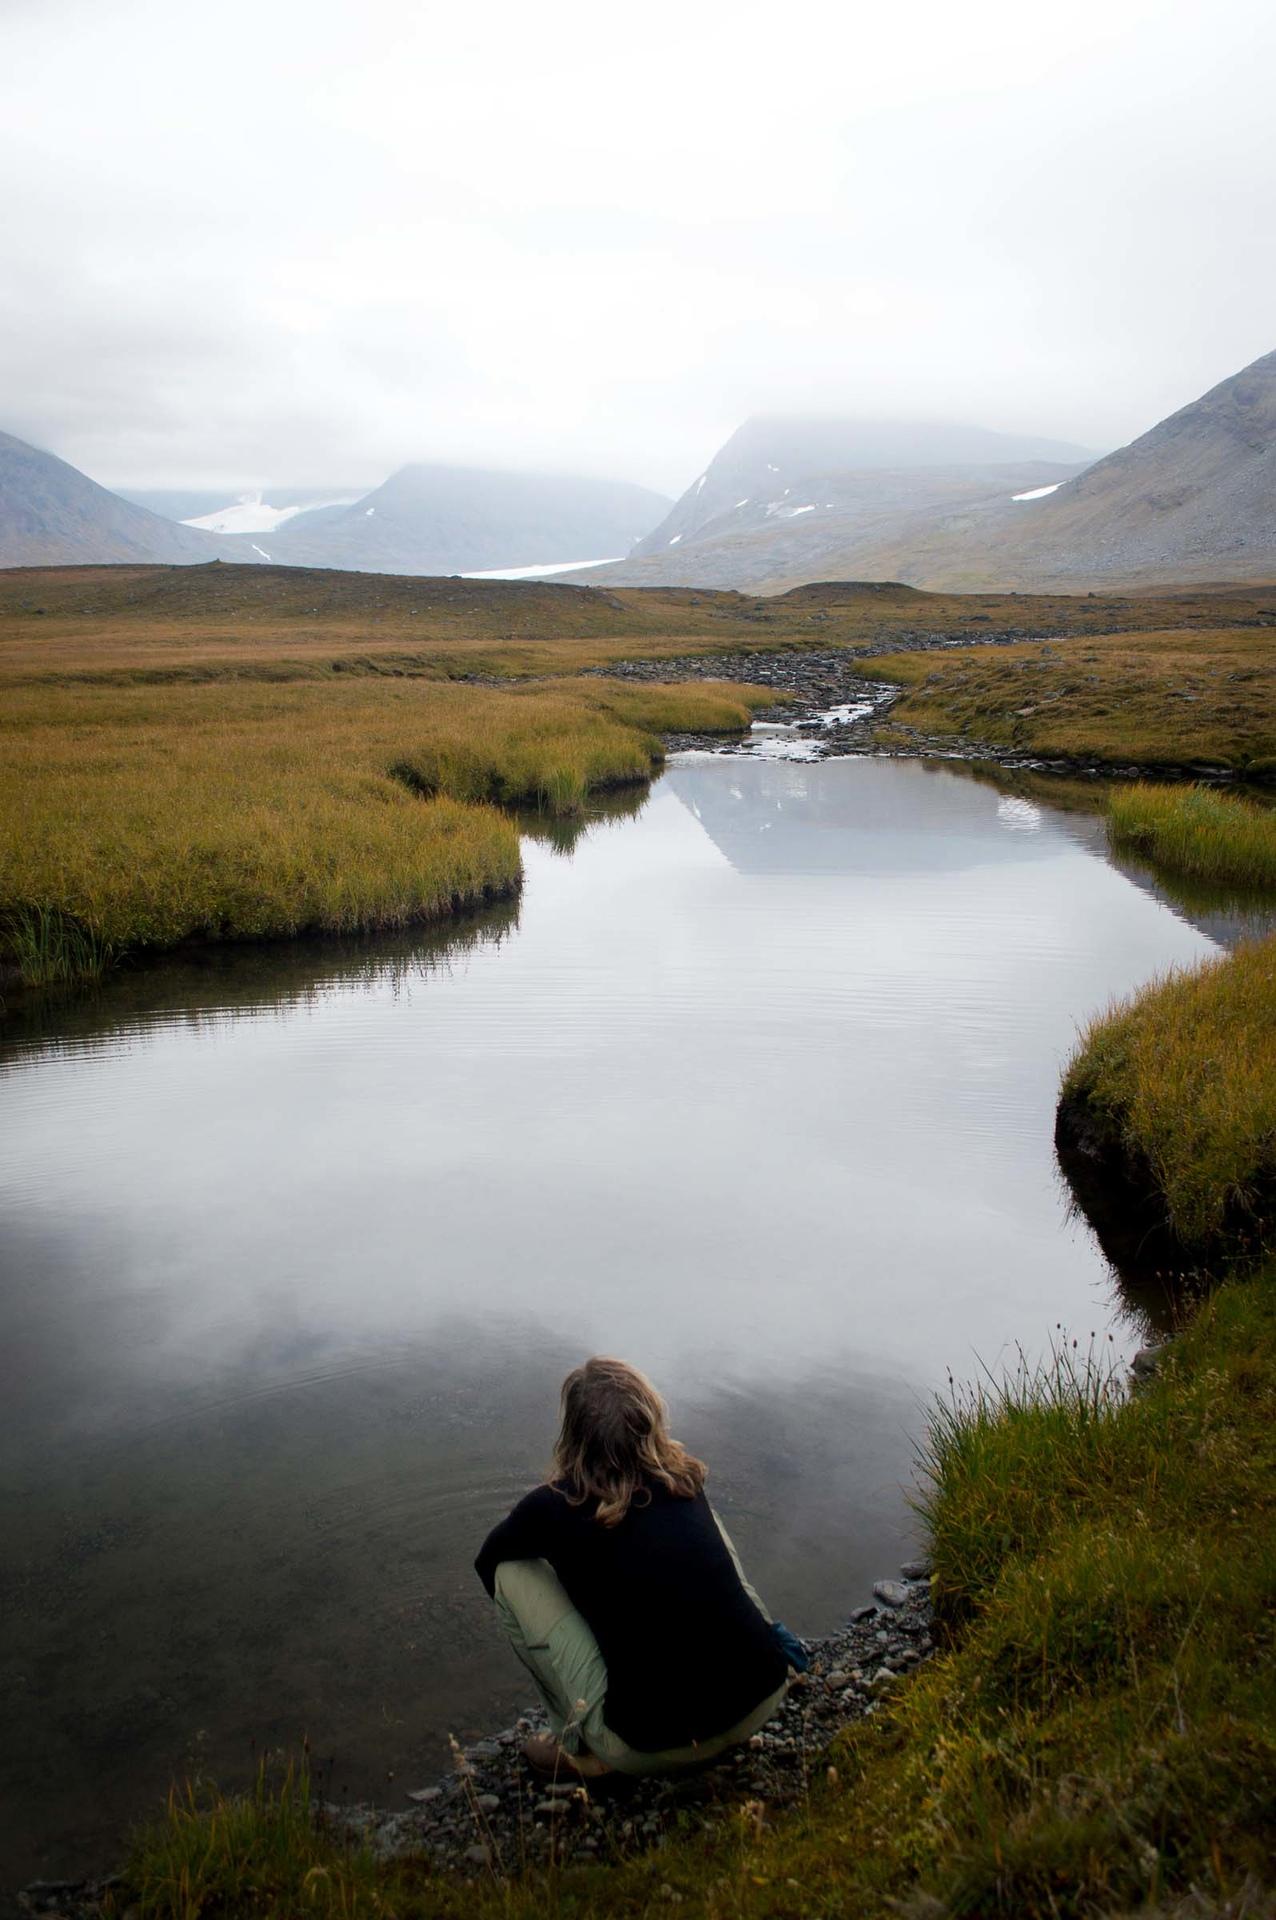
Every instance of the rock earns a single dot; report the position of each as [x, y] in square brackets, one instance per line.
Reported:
[862, 1613]
[477, 1856]
[489, 1802]
[1145, 1362]
[424, 1795]
[890, 1592]
[883, 1679]
[916, 1569]
[835, 1681]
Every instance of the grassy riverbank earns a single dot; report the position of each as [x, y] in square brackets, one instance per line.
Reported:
[147, 815]
[1184, 1075]
[1172, 699]
[1198, 833]
[1099, 1736]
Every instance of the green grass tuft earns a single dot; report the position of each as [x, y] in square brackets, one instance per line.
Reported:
[1198, 832]
[48, 948]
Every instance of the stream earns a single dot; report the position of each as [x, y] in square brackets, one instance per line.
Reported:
[754, 1086]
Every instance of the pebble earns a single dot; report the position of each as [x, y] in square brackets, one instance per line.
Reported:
[890, 1592]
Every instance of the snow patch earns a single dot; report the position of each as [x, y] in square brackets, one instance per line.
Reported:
[251, 514]
[677, 537]
[1037, 493]
[260, 550]
[535, 573]
[368, 515]
[741, 503]
[700, 482]
[795, 511]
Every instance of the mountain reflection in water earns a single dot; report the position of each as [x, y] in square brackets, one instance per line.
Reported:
[754, 1087]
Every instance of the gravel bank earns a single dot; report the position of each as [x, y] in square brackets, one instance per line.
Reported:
[491, 1814]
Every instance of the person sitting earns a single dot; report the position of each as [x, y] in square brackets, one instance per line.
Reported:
[621, 1593]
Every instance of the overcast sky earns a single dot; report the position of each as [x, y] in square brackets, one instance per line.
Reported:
[302, 241]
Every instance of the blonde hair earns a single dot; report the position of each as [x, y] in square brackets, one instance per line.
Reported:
[614, 1441]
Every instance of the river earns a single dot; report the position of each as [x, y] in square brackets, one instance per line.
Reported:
[754, 1086]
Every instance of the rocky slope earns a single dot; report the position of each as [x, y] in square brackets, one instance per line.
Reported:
[1193, 500]
[773, 472]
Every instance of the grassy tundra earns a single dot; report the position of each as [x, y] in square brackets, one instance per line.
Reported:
[146, 815]
[1097, 1737]
[1172, 699]
[199, 753]
[194, 754]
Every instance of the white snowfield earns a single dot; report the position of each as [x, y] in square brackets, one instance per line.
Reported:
[677, 537]
[1037, 493]
[252, 514]
[549, 566]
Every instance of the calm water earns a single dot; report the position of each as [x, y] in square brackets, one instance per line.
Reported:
[754, 1088]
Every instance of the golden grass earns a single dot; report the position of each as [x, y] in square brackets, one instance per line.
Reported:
[1156, 699]
[151, 815]
[290, 622]
[1199, 832]
[1187, 1070]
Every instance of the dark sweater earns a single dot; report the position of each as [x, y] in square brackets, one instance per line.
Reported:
[688, 1654]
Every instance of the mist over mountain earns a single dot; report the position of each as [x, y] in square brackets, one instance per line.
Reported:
[51, 514]
[423, 520]
[1192, 500]
[224, 511]
[442, 519]
[785, 500]
[775, 469]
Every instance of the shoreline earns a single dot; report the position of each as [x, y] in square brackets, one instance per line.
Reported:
[490, 1815]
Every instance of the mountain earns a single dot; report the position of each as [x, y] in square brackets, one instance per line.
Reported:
[1191, 501]
[791, 499]
[439, 520]
[774, 469]
[51, 514]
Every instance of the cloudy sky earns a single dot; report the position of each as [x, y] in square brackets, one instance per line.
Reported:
[306, 240]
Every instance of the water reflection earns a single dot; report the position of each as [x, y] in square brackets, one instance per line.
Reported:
[1226, 915]
[755, 1088]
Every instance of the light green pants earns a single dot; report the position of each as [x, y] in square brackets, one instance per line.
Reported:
[556, 1645]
